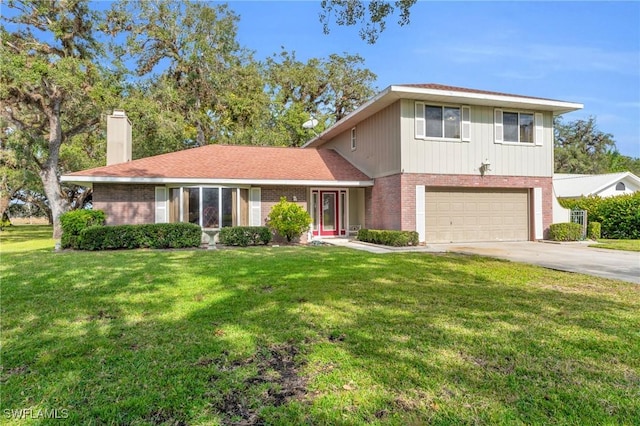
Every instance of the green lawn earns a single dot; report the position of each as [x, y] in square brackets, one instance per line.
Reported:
[628, 245]
[310, 335]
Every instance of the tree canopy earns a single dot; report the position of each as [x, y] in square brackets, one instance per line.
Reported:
[581, 148]
[370, 15]
[175, 67]
[51, 85]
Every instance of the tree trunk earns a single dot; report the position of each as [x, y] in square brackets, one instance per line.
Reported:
[57, 203]
[49, 171]
[5, 199]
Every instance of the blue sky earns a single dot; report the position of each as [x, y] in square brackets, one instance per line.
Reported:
[585, 52]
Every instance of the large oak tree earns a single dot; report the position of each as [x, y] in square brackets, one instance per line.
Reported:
[51, 84]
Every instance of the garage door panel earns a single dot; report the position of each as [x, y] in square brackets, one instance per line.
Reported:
[457, 215]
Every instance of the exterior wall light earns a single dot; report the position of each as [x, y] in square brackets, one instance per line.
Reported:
[485, 167]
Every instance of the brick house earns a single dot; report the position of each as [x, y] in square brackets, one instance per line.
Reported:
[453, 164]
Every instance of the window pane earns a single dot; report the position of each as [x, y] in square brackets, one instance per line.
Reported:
[314, 209]
[174, 205]
[452, 123]
[329, 211]
[510, 126]
[227, 206]
[343, 207]
[526, 127]
[434, 121]
[210, 211]
[244, 207]
[194, 205]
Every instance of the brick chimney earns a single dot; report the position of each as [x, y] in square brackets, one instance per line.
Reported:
[118, 138]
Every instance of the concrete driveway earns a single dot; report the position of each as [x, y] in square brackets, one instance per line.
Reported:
[571, 257]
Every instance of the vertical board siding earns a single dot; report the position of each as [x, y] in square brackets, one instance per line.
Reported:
[378, 143]
[434, 156]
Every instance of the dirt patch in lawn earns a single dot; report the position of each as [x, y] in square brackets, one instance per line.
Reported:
[278, 372]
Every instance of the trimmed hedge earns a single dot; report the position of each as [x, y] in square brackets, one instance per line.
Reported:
[567, 231]
[75, 221]
[155, 235]
[244, 235]
[389, 238]
[619, 215]
[594, 230]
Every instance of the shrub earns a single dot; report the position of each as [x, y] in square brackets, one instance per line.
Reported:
[157, 235]
[594, 230]
[389, 238]
[288, 219]
[75, 221]
[244, 235]
[619, 216]
[567, 231]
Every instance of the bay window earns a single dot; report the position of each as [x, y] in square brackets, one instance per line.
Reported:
[209, 207]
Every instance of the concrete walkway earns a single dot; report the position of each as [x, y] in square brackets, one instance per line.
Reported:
[571, 257]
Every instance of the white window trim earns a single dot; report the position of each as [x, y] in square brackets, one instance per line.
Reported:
[353, 139]
[421, 123]
[255, 206]
[161, 204]
[538, 127]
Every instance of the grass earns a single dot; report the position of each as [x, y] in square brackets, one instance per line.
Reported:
[310, 335]
[628, 245]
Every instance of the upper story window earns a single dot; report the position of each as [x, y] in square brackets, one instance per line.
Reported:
[442, 122]
[620, 186]
[518, 127]
[353, 139]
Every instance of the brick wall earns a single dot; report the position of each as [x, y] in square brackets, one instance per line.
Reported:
[385, 203]
[270, 196]
[125, 204]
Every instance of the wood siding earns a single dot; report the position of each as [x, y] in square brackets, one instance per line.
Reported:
[434, 156]
[377, 151]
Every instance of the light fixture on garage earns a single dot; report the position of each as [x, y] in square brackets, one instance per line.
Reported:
[485, 167]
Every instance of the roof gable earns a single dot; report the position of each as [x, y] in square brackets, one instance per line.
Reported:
[577, 185]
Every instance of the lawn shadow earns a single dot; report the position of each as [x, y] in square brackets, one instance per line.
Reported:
[311, 335]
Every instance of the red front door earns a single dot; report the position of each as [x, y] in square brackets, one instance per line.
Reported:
[329, 213]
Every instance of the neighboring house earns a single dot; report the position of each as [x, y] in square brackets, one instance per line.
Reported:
[605, 185]
[453, 164]
[578, 185]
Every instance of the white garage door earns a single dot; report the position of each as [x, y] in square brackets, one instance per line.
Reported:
[459, 215]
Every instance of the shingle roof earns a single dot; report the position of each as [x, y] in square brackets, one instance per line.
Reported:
[236, 162]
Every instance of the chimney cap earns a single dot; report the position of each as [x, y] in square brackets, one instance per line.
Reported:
[119, 113]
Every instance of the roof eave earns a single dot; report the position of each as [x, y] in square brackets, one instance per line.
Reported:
[89, 180]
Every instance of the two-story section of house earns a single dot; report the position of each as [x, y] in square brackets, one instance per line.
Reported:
[451, 163]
